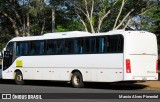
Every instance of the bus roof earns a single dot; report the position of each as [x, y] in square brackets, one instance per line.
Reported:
[73, 34]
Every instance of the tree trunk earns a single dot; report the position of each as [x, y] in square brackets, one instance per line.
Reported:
[53, 19]
[127, 15]
[126, 25]
[82, 21]
[43, 26]
[120, 11]
[24, 26]
[15, 29]
[101, 19]
[28, 24]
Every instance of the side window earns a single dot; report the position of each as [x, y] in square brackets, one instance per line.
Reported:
[32, 48]
[92, 44]
[100, 44]
[107, 44]
[116, 44]
[50, 47]
[41, 47]
[25, 48]
[78, 46]
[17, 48]
[22, 48]
[37, 48]
[68, 49]
[120, 44]
[86, 45]
[75, 46]
[113, 44]
[89, 45]
[10, 47]
[55, 47]
[58, 46]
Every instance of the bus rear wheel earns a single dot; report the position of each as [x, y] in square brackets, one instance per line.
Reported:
[77, 80]
[19, 78]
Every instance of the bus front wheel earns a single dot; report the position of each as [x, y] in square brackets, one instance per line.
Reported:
[77, 80]
[19, 78]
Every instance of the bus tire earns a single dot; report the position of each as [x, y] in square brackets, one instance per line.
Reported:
[19, 78]
[77, 80]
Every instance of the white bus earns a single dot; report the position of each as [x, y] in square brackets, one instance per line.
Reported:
[0, 71]
[79, 57]
[0, 67]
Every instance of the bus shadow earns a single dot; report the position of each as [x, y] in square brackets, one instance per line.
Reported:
[9, 82]
[116, 86]
[107, 86]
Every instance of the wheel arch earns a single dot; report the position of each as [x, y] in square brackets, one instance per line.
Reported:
[17, 70]
[75, 70]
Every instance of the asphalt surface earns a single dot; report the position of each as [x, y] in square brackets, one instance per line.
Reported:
[40, 87]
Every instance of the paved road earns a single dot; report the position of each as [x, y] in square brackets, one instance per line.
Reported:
[40, 87]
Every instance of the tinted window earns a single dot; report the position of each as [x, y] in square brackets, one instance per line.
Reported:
[68, 49]
[37, 48]
[100, 44]
[120, 44]
[50, 47]
[22, 48]
[78, 46]
[58, 46]
[90, 45]
[7, 59]
[25, 48]
[116, 44]
[87, 45]
[10, 47]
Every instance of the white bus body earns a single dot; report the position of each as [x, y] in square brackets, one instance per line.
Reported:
[141, 50]
[0, 71]
[138, 60]
[0, 66]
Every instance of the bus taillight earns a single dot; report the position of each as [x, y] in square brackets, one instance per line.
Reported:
[157, 66]
[128, 66]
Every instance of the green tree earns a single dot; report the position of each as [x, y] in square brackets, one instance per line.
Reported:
[151, 19]
[11, 10]
[96, 14]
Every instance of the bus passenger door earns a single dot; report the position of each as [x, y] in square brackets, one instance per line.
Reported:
[0, 65]
[7, 60]
[0, 71]
[7, 56]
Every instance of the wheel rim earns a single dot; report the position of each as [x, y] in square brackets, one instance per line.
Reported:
[19, 78]
[76, 80]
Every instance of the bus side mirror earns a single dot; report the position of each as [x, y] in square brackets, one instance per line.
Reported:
[1, 55]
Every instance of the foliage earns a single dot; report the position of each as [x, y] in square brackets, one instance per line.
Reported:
[2, 45]
[151, 20]
[34, 17]
[95, 15]
[60, 29]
